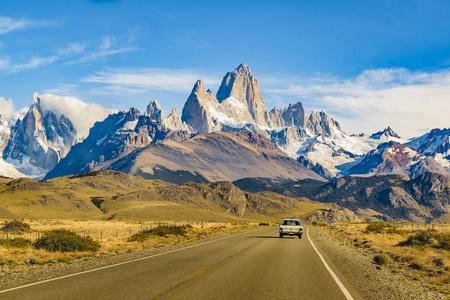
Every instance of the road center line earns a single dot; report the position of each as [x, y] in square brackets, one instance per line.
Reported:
[122, 263]
[339, 283]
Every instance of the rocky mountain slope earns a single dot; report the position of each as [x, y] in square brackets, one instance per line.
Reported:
[395, 158]
[435, 143]
[392, 197]
[117, 196]
[116, 137]
[38, 141]
[209, 157]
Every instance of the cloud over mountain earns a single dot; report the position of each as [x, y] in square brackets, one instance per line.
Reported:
[82, 115]
[409, 101]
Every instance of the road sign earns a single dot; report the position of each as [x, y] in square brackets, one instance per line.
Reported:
[330, 217]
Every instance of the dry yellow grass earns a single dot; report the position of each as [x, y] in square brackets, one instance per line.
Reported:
[425, 263]
[113, 240]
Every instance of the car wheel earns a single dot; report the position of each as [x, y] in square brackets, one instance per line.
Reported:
[281, 235]
[299, 236]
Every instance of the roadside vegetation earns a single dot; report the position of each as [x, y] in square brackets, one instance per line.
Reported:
[26, 244]
[420, 254]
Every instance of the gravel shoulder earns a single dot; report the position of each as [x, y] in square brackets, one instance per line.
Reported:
[356, 270]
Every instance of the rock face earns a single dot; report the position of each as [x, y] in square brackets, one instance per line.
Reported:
[196, 110]
[315, 167]
[5, 131]
[40, 139]
[241, 86]
[238, 103]
[172, 122]
[395, 158]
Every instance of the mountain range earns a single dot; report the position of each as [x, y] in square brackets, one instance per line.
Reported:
[223, 137]
[376, 198]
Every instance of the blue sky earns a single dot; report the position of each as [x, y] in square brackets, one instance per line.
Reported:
[369, 64]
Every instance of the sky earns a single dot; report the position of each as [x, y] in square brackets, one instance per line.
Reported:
[368, 64]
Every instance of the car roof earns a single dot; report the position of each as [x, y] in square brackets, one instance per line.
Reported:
[292, 219]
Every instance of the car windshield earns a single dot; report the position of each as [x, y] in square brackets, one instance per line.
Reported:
[291, 222]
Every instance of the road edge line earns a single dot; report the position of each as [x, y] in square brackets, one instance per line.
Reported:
[336, 279]
[121, 263]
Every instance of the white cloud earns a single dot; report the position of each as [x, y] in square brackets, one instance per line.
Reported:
[6, 107]
[72, 49]
[82, 115]
[70, 54]
[33, 63]
[409, 102]
[109, 45]
[62, 88]
[141, 80]
[4, 63]
[9, 24]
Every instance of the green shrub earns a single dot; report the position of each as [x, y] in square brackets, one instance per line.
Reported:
[97, 201]
[16, 243]
[444, 241]
[64, 240]
[159, 231]
[381, 259]
[430, 238]
[417, 264]
[16, 225]
[375, 227]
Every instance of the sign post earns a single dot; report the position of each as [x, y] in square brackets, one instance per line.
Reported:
[330, 219]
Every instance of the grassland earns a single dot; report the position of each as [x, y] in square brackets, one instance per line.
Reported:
[110, 195]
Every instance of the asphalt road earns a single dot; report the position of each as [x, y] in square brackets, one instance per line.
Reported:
[255, 265]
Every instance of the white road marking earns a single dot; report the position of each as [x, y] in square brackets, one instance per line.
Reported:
[122, 263]
[339, 283]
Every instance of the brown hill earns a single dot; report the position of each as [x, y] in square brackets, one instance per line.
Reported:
[209, 157]
[113, 195]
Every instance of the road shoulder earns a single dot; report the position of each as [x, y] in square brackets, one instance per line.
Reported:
[361, 277]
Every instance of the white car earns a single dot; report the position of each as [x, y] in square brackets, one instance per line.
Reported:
[291, 227]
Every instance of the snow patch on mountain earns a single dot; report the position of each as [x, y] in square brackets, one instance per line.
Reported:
[9, 170]
[15, 168]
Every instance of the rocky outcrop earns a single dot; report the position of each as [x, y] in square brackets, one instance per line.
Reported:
[155, 112]
[196, 110]
[321, 123]
[40, 139]
[385, 134]
[173, 122]
[340, 215]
